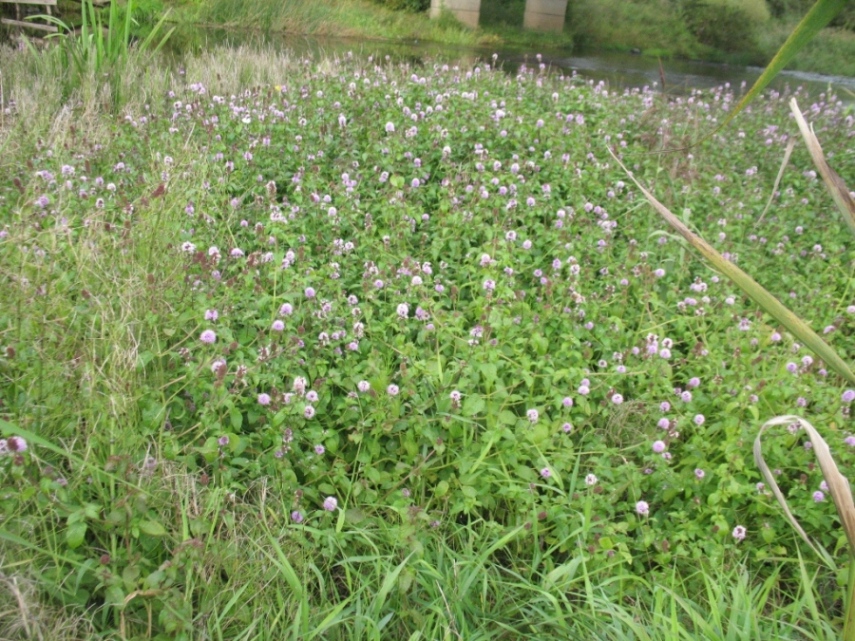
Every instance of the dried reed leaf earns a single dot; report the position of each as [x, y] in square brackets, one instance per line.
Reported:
[838, 485]
[747, 284]
[789, 152]
[776, 491]
[836, 187]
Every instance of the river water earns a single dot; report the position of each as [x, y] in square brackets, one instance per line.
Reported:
[618, 70]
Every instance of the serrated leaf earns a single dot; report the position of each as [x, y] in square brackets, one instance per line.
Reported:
[473, 405]
[354, 515]
[506, 417]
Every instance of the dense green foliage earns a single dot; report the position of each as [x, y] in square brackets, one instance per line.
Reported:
[356, 349]
[405, 5]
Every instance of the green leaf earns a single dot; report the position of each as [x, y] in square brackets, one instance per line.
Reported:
[441, 489]
[473, 405]
[236, 418]
[152, 528]
[75, 534]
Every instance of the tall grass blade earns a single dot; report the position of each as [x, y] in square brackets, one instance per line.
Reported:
[844, 201]
[819, 16]
[747, 284]
[789, 152]
[841, 493]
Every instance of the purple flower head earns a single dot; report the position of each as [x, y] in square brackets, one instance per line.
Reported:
[296, 516]
[392, 390]
[330, 504]
[208, 336]
[642, 508]
[848, 396]
[546, 472]
[567, 402]
[363, 386]
[659, 446]
[264, 399]
[699, 473]
[533, 415]
[310, 292]
[590, 480]
[739, 533]
[277, 326]
[818, 496]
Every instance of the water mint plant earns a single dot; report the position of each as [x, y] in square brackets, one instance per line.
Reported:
[391, 348]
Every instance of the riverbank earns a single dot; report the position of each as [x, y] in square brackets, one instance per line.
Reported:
[605, 25]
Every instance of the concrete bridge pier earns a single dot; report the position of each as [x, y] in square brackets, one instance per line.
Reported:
[540, 15]
[545, 15]
[467, 11]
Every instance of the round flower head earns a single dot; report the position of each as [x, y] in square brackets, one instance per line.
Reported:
[590, 480]
[642, 508]
[848, 396]
[363, 386]
[533, 415]
[264, 399]
[699, 473]
[659, 446]
[546, 472]
[296, 516]
[16, 445]
[818, 496]
[309, 411]
[208, 336]
[277, 326]
[739, 533]
[392, 390]
[330, 504]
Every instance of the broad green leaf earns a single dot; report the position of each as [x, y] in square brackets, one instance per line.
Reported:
[75, 534]
[473, 405]
[441, 489]
[746, 283]
[152, 528]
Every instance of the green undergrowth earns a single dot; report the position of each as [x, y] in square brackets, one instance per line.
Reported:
[352, 348]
